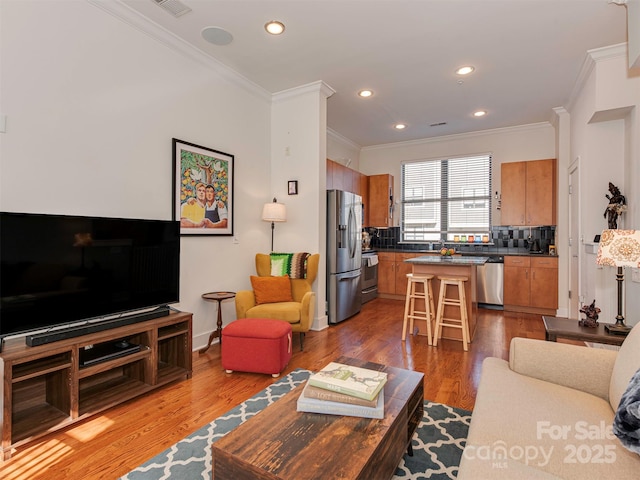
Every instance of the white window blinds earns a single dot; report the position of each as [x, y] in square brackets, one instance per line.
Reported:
[443, 198]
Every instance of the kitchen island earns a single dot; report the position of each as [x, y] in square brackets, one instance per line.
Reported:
[450, 265]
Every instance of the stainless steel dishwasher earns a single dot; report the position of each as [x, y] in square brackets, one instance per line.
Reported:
[490, 282]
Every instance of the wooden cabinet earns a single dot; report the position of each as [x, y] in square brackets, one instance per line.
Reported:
[517, 283]
[531, 284]
[513, 181]
[47, 387]
[380, 205]
[386, 273]
[364, 193]
[337, 176]
[528, 193]
[392, 272]
[340, 177]
[402, 268]
[331, 166]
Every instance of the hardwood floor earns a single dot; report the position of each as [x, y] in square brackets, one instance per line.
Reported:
[110, 445]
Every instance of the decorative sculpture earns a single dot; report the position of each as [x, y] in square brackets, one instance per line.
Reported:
[617, 205]
[591, 311]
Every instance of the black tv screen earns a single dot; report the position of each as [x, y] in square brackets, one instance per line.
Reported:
[57, 269]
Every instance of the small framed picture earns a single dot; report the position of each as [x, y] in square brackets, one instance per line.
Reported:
[293, 187]
[552, 249]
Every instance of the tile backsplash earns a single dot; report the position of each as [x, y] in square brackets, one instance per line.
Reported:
[502, 240]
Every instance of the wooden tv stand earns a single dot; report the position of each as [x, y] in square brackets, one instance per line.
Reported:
[46, 389]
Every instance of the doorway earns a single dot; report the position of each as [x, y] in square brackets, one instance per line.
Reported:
[574, 239]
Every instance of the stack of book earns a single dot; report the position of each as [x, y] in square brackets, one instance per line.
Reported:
[340, 389]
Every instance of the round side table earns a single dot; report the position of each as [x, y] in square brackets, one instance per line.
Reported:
[218, 297]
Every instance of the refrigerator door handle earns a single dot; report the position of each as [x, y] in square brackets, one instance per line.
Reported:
[351, 233]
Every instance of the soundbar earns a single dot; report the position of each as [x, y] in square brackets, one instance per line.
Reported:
[55, 336]
[106, 351]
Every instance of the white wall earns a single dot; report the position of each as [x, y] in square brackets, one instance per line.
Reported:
[605, 134]
[299, 152]
[92, 105]
[342, 150]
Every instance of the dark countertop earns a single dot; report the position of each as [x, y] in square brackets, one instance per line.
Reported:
[447, 260]
[464, 254]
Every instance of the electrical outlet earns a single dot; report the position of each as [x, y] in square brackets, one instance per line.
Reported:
[635, 275]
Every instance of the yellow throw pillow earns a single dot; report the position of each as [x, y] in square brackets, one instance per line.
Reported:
[272, 289]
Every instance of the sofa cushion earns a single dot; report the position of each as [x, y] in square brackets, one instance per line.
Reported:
[288, 311]
[271, 289]
[626, 424]
[523, 427]
[627, 363]
[586, 369]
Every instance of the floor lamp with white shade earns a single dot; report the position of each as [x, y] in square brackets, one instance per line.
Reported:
[274, 212]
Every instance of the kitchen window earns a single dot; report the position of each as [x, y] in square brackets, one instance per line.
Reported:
[445, 197]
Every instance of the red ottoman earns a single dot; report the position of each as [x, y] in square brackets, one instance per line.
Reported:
[259, 345]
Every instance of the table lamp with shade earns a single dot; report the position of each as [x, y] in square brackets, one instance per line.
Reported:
[274, 212]
[619, 248]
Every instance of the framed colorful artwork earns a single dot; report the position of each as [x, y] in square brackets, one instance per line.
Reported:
[202, 189]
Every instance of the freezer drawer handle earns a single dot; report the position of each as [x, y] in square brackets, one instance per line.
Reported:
[356, 274]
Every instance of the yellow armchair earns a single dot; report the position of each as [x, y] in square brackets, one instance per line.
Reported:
[298, 313]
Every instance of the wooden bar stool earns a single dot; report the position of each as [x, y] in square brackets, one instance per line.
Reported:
[410, 312]
[460, 302]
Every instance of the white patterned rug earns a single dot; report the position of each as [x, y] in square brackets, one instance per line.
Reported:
[437, 443]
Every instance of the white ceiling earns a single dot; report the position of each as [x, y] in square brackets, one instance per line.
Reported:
[527, 53]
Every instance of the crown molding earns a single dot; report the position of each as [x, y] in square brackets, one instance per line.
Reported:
[456, 136]
[607, 53]
[591, 59]
[135, 20]
[558, 112]
[342, 139]
[313, 87]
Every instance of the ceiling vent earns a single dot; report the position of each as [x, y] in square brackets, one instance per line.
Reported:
[439, 124]
[174, 7]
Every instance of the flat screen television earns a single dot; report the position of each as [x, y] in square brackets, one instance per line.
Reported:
[60, 270]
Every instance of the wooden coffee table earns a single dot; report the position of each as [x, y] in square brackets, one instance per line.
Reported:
[555, 327]
[281, 443]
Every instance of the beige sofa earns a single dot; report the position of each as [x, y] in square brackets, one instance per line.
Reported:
[548, 413]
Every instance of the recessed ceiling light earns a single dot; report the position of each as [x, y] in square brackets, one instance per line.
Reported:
[274, 28]
[479, 113]
[365, 93]
[399, 126]
[466, 70]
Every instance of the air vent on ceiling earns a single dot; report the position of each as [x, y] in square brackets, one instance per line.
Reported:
[439, 124]
[174, 7]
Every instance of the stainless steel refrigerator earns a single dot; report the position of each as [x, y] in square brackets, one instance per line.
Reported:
[344, 254]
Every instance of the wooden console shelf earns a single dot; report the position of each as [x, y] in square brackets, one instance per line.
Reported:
[45, 388]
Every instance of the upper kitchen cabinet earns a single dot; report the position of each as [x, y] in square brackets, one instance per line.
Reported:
[529, 193]
[331, 166]
[380, 205]
[340, 177]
